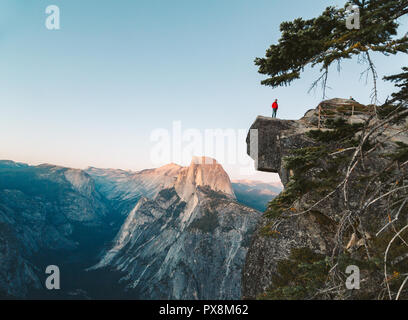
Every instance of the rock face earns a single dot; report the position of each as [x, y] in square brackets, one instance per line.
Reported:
[304, 238]
[203, 172]
[189, 242]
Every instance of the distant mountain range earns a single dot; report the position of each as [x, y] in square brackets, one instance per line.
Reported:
[256, 194]
[122, 185]
[167, 233]
[48, 215]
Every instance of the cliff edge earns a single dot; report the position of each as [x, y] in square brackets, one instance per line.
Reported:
[343, 166]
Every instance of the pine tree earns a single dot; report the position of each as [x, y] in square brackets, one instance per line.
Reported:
[326, 39]
[401, 81]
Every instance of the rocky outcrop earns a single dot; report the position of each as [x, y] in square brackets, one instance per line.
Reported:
[189, 242]
[303, 241]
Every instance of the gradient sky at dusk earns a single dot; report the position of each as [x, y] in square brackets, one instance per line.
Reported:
[92, 93]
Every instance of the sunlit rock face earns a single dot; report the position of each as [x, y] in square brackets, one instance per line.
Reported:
[189, 242]
[124, 185]
[203, 172]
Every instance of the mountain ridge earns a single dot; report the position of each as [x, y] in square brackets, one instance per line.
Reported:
[68, 217]
[178, 232]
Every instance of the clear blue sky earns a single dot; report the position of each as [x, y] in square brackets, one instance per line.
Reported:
[91, 93]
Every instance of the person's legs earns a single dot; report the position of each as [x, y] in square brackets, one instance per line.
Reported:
[273, 113]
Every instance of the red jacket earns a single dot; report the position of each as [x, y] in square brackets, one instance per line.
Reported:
[275, 105]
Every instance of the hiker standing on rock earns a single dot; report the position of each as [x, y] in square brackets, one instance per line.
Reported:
[274, 108]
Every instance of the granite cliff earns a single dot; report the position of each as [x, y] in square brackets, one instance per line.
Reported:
[344, 203]
[188, 242]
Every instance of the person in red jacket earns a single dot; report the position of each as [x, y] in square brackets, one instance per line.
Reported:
[274, 108]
